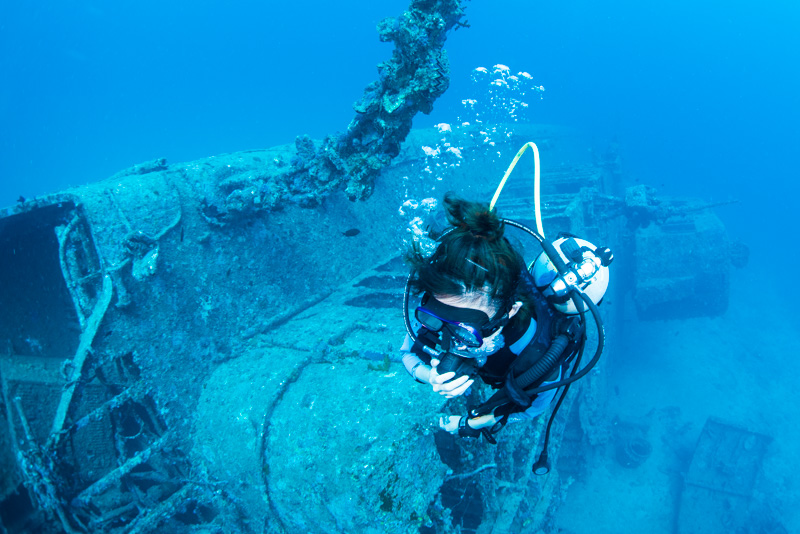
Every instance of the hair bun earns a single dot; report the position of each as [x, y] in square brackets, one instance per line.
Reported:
[485, 224]
[474, 217]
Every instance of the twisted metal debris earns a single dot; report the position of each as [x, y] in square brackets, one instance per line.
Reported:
[417, 74]
[409, 82]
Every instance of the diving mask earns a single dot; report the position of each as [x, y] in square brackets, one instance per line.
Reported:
[466, 326]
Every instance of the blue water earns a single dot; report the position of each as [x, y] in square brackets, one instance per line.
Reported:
[701, 96]
[90, 89]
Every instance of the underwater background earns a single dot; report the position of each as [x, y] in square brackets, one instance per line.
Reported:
[701, 96]
[699, 99]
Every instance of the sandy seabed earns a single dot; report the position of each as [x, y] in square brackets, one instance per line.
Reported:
[671, 376]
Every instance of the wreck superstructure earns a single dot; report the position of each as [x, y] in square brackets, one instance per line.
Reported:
[179, 349]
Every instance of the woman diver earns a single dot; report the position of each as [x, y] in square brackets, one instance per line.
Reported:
[482, 314]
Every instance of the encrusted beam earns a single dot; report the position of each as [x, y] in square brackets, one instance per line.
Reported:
[114, 476]
[84, 348]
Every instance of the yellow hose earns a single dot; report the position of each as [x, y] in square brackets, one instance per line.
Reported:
[535, 183]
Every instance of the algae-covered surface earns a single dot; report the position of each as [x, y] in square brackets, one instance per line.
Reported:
[345, 459]
[324, 438]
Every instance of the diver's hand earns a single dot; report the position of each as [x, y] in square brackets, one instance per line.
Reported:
[450, 423]
[447, 384]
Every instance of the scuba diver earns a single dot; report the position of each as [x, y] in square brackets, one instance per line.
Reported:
[483, 313]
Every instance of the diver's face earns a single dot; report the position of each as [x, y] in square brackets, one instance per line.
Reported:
[481, 302]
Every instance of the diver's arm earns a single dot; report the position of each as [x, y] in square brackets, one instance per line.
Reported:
[482, 421]
[452, 422]
[416, 368]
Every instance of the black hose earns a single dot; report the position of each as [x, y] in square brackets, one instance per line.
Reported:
[598, 352]
[546, 363]
[406, 315]
[543, 461]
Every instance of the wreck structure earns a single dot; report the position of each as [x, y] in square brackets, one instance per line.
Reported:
[211, 346]
[169, 362]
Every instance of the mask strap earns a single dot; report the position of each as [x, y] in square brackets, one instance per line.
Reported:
[447, 339]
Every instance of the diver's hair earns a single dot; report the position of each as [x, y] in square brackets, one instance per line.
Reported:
[473, 257]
